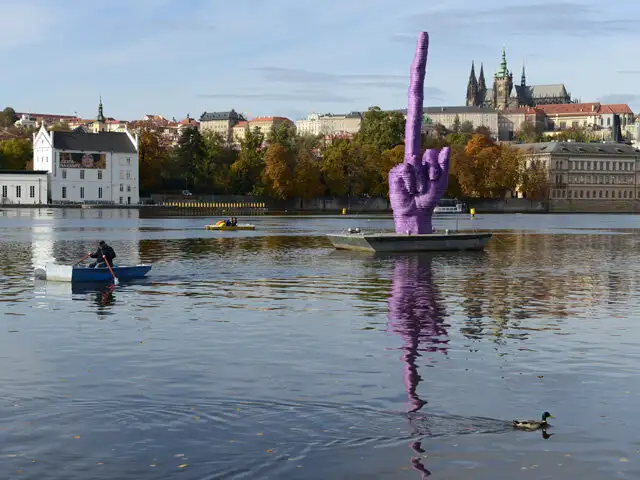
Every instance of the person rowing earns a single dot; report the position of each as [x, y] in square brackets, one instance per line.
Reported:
[103, 251]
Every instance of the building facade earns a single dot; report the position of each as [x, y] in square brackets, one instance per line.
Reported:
[87, 167]
[593, 115]
[505, 94]
[329, 124]
[221, 123]
[23, 187]
[594, 177]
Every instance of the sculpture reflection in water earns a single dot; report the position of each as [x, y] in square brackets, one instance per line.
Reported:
[416, 313]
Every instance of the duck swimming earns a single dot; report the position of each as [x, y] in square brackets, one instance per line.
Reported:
[532, 424]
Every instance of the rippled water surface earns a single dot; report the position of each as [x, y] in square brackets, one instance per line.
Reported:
[267, 354]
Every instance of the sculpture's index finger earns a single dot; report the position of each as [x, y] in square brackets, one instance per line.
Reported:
[413, 127]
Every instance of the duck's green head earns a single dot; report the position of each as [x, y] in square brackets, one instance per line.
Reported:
[546, 415]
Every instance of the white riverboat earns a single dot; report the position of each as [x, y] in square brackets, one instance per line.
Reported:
[448, 206]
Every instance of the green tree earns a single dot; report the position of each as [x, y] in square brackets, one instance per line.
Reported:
[60, 126]
[307, 182]
[190, 154]
[388, 159]
[247, 170]
[458, 138]
[466, 127]
[279, 170]
[153, 157]
[484, 131]
[15, 153]
[348, 167]
[214, 171]
[381, 130]
[535, 181]
[441, 130]
[530, 132]
[455, 128]
[575, 134]
[8, 117]
[283, 133]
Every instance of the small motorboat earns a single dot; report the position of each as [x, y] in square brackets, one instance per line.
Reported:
[222, 225]
[81, 273]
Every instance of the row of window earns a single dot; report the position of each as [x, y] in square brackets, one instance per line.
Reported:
[5, 191]
[576, 123]
[64, 192]
[593, 165]
[82, 174]
[64, 195]
[593, 194]
[602, 179]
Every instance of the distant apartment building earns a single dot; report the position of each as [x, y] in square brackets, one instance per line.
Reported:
[239, 132]
[594, 177]
[30, 119]
[585, 115]
[264, 124]
[446, 116]
[169, 129]
[505, 124]
[221, 123]
[329, 124]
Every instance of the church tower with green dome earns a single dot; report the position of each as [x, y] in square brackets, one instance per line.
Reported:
[502, 84]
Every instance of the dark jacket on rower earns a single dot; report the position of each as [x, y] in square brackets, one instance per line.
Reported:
[105, 250]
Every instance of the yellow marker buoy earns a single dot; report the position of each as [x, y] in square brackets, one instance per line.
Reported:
[473, 212]
[344, 211]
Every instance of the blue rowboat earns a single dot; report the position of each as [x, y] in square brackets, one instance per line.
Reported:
[66, 273]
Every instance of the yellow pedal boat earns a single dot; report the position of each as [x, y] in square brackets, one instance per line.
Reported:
[221, 225]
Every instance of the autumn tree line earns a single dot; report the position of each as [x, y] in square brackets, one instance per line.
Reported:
[282, 164]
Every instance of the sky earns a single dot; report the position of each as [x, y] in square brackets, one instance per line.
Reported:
[295, 57]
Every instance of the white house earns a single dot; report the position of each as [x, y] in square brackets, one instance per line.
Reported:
[84, 167]
[23, 187]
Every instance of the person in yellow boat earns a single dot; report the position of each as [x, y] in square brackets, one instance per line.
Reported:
[234, 222]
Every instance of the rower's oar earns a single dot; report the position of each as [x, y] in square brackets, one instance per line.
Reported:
[115, 279]
[83, 259]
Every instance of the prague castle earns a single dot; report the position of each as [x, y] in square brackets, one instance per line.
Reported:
[505, 95]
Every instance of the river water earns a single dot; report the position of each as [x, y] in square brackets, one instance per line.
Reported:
[267, 354]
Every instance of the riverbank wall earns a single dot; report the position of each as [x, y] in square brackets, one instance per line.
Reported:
[247, 205]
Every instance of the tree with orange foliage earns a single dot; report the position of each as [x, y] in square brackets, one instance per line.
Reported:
[278, 170]
[478, 143]
[486, 169]
[386, 161]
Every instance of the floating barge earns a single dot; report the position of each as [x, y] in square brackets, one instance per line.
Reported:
[353, 239]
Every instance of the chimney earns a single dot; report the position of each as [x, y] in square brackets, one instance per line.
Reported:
[593, 108]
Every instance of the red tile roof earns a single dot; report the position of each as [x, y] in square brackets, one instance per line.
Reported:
[619, 108]
[46, 115]
[269, 119]
[240, 125]
[573, 109]
[527, 110]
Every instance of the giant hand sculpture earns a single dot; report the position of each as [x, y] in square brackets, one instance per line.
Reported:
[417, 184]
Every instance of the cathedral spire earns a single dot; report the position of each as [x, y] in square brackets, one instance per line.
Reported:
[481, 82]
[100, 114]
[472, 87]
[523, 79]
[504, 71]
